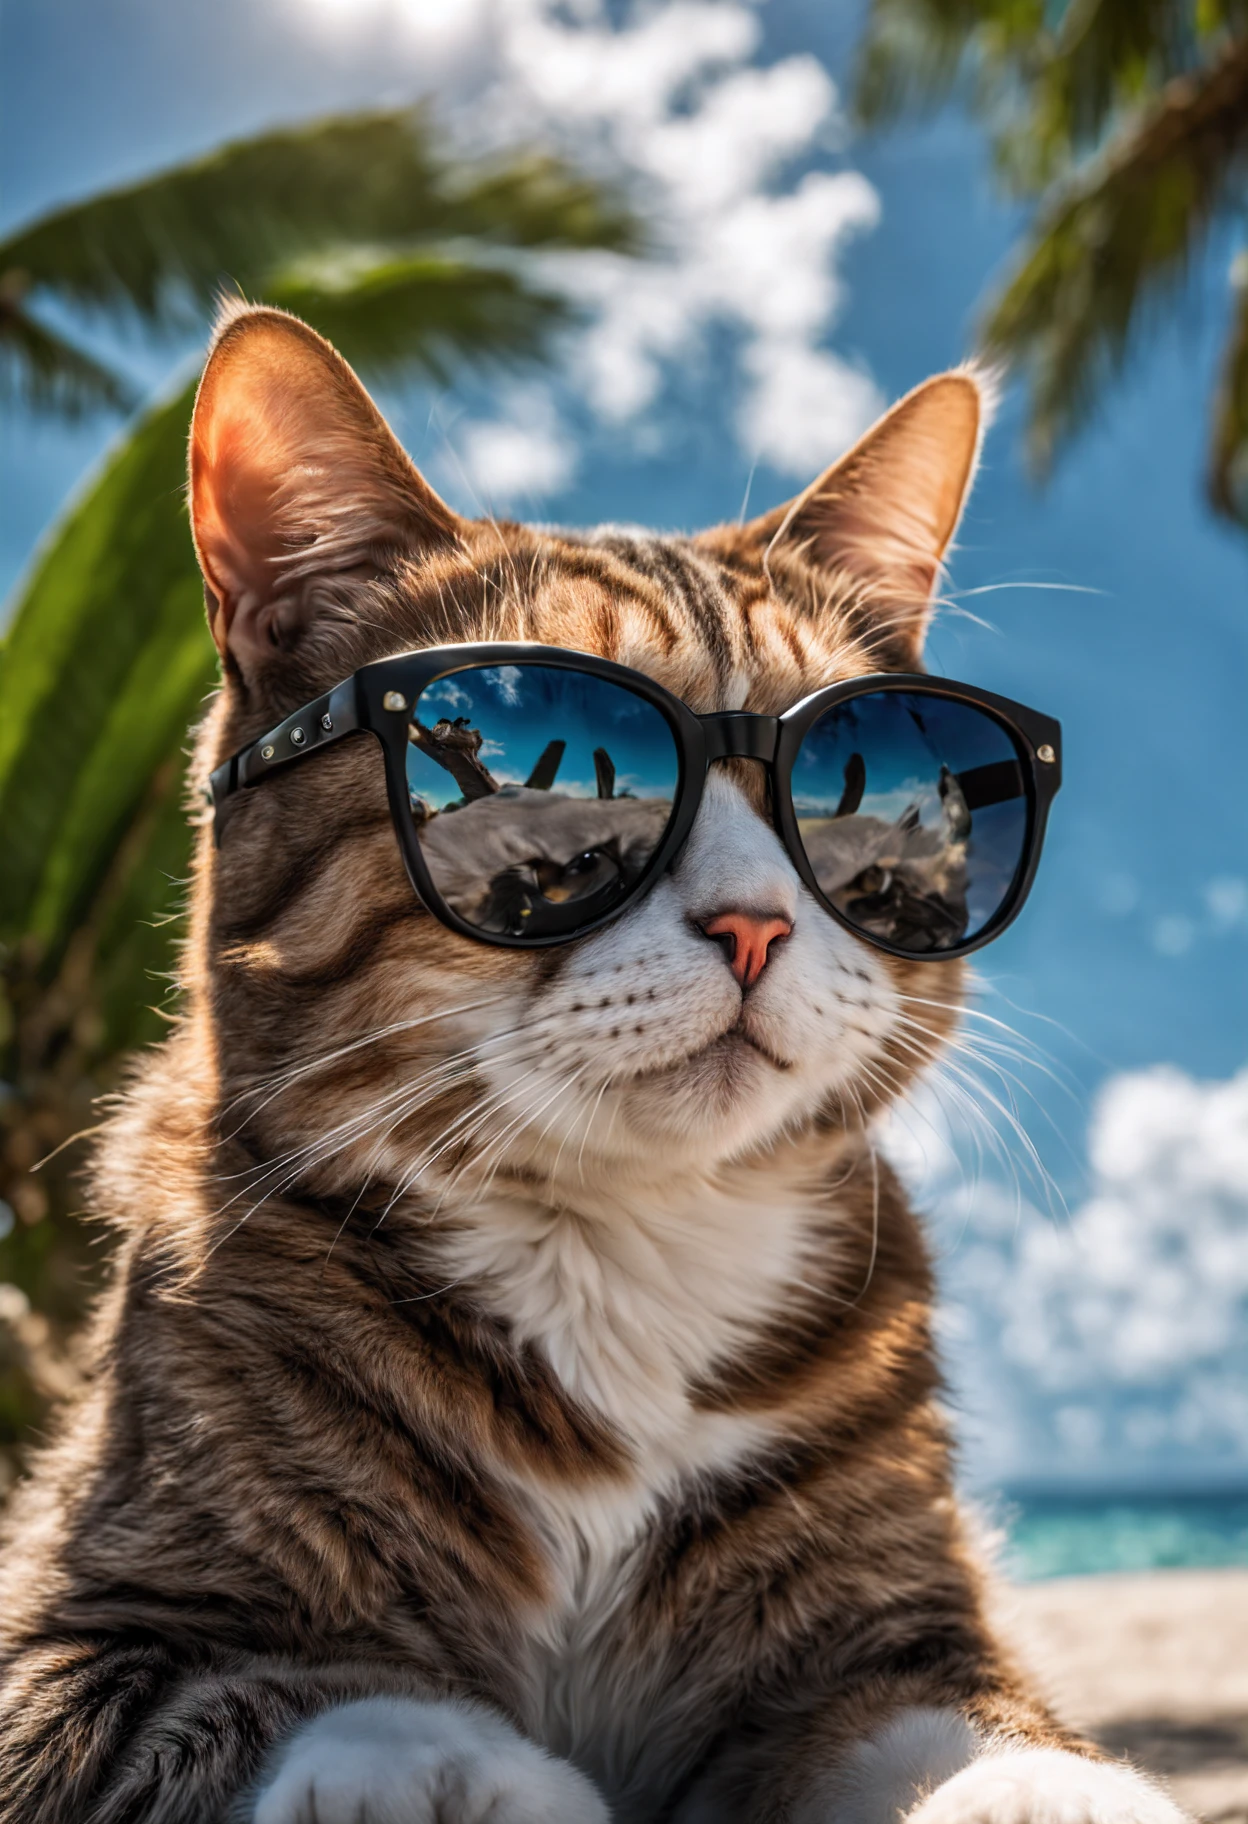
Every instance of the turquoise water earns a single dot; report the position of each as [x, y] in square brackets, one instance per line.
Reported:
[1052, 1535]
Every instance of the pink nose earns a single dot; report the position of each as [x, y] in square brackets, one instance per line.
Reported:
[751, 938]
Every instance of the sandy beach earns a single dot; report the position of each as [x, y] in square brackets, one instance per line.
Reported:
[1154, 1666]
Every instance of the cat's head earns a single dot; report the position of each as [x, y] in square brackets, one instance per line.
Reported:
[357, 1039]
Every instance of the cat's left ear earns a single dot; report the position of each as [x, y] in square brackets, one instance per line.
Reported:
[884, 515]
[296, 482]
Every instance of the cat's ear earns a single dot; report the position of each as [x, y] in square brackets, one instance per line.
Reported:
[885, 513]
[295, 479]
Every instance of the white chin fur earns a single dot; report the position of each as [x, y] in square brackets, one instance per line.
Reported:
[392, 1761]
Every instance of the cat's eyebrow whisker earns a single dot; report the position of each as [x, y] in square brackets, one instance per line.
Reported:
[1058, 588]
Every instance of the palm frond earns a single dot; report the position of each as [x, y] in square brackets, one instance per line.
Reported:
[162, 248]
[1050, 81]
[914, 53]
[105, 663]
[1228, 454]
[419, 314]
[1116, 240]
[533, 200]
[44, 371]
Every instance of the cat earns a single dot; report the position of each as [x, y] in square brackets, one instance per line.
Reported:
[515, 1399]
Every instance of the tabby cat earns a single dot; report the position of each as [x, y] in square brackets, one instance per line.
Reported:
[515, 1400]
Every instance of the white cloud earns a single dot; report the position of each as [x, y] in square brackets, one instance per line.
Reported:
[672, 96]
[1173, 935]
[1226, 901]
[579, 67]
[1118, 895]
[506, 681]
[524, 455]
[1119, 1339]
[446, 695]
[801, 403]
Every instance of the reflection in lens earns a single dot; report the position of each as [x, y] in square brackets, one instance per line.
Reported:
[913, 813]
[539, 794]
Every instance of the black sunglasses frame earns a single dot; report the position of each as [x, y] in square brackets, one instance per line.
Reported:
[378, 699]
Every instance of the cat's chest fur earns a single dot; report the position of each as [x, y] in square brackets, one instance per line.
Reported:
[633, 1300]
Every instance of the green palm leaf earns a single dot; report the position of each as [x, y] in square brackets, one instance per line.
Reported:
[163, 250]
[419, 313]
[164, 247]
[1228, 456]
[1115, 241]
[1152, 97]
[44, 372]
[106, 662]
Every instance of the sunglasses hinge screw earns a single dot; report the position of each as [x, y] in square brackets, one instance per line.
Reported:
[267, 751]
[1046, 754]
[394, 699]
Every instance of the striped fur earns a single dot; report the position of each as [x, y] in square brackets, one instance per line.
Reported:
[516, 1394]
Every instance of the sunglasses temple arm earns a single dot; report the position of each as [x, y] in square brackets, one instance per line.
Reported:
[996, 783]
[319, 723]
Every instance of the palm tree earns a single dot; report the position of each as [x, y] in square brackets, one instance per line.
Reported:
[412, 261]
[1128, 120]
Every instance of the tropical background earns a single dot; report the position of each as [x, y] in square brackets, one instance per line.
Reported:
[653, 263]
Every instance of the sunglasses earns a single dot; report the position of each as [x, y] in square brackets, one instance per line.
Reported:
[538, 793]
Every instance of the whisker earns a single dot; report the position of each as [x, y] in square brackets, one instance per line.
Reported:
[293, 1073]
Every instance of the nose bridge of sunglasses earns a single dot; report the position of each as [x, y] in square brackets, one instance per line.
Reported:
[741, 735]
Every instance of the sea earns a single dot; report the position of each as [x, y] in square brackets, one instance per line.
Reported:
[1049, 1533]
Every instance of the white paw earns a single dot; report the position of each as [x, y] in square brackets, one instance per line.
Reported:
[391, 1761]
[1045, 1786]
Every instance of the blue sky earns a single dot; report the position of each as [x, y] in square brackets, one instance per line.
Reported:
[813, 274]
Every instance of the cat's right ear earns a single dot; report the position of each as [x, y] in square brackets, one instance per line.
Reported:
[295, 478]
[882, 518]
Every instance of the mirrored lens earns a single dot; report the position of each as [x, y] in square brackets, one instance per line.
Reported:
[913, 811]
[539, 794]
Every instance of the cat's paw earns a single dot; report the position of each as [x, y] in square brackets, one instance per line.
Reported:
[1045, 1786]
[391, 1761]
